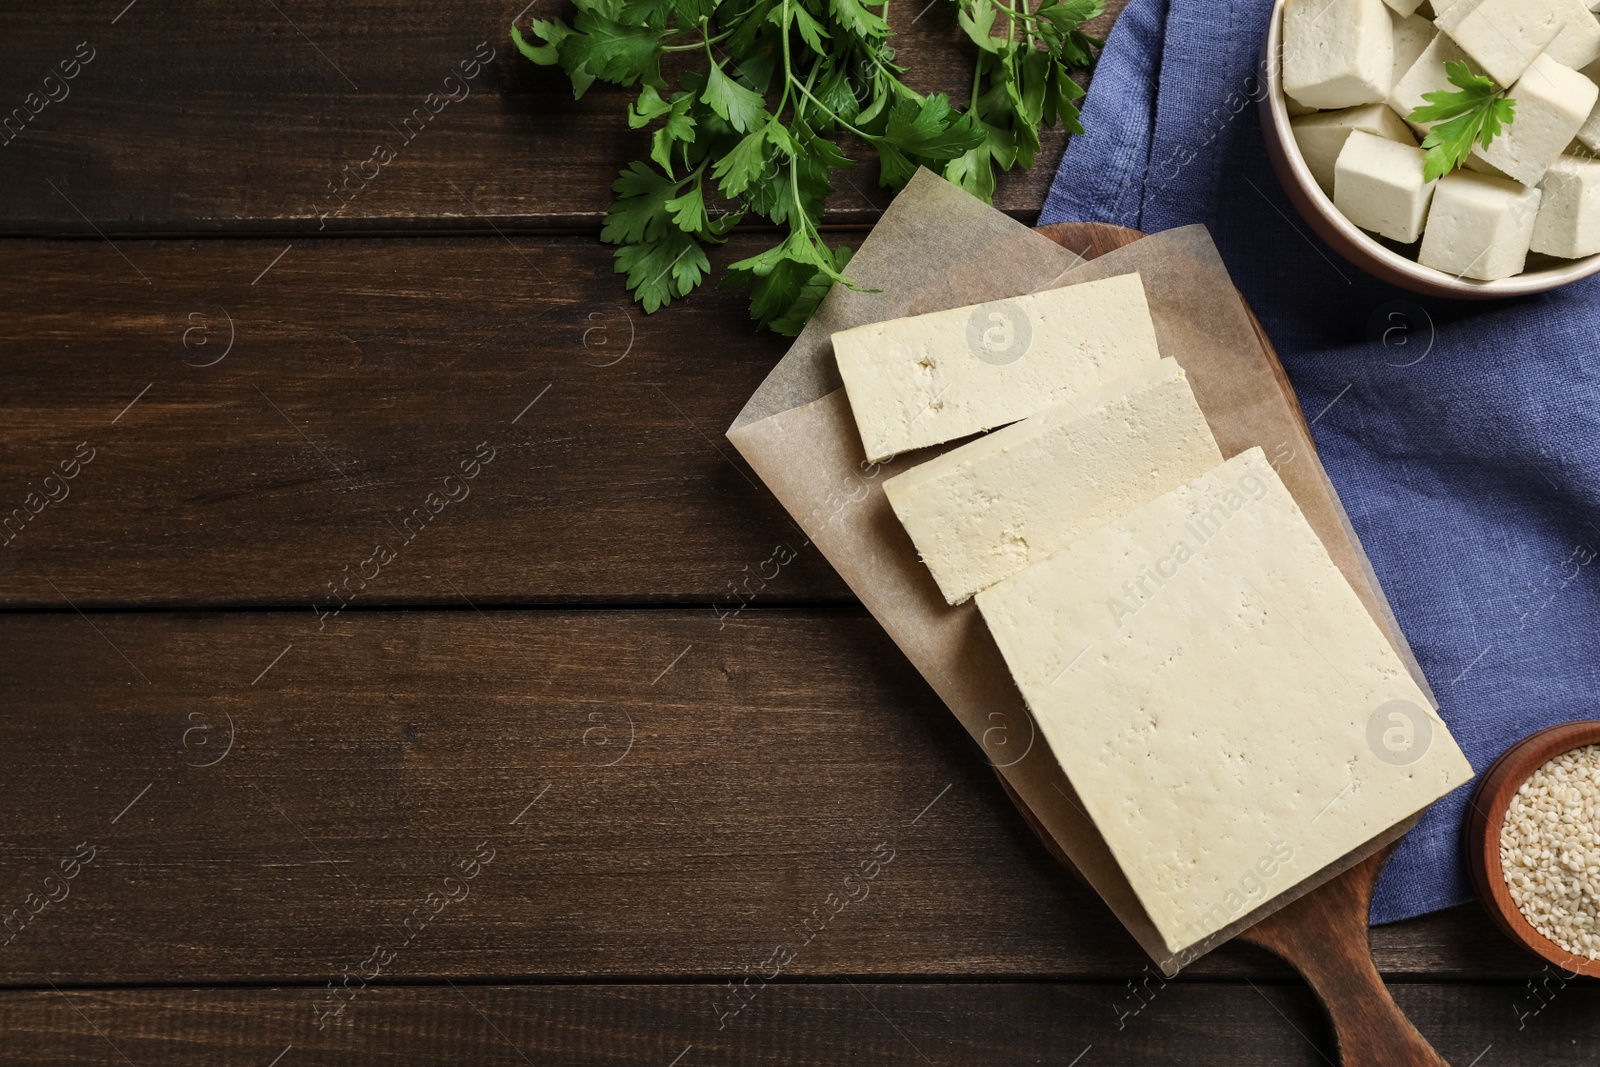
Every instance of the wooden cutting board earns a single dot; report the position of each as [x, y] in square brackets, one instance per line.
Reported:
[1323, 935]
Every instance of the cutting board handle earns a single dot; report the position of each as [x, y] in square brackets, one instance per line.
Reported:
[1323, 935]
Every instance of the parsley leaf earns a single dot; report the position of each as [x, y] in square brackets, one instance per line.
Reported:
[1475, 114]
[753, 123]
[660, 269]
[741, 108]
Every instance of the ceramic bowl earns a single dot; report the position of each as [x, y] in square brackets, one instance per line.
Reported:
[1543, 273]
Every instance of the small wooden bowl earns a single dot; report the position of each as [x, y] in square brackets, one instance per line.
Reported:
[1542, 274]
[1490, 801]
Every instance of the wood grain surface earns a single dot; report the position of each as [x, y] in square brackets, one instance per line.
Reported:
[780, 1025]
[210, 117]
[771, 753]
[212, 816]
[361, 374]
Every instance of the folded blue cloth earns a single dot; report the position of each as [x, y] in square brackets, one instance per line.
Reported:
[1464, 438]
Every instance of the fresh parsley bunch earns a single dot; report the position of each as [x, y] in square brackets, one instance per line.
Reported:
[753, 120]
[1474, 114]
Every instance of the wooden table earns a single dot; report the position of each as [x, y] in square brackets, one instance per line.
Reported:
[532, 783]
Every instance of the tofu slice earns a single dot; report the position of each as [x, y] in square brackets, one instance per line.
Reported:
[1479, 227]
[1578, 43]
[1568, 224]
[984, 511]
[1427, 75]
[1321, 137]
[928, 379]
[1378, 185]
[1553, 104]
[1230, 715]
[1412, 35]
[1337, 53]
[1504, 36]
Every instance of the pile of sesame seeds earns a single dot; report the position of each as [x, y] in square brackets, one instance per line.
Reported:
[1550, 850]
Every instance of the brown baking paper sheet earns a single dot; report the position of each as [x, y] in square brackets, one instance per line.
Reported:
[937, 247]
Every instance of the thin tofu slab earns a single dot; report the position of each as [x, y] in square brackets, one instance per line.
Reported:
[1321, 136]
[1378, 185]
[1479, 226]
[1337, 53]
[1229, 713]
[984, 511]
[1503, 36]
[1569, 213]
[1553, 103]
[933, 378]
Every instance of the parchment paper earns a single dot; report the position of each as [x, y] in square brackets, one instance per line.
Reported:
[938, 247]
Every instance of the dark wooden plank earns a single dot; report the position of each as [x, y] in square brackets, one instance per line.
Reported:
[209, 117]
[781, 1024]
[362, 374]
[771, 757]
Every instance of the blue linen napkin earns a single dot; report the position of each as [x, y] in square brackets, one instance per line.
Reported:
[1464, 438]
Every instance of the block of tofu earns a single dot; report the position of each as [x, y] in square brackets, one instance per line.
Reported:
[1503, 36]
[1578, 43]
[1553, 104]
[1478, 164]
[1427, 75]
[1568, 224]
[1412, 36]
[928, 379]
[1337, 53]
[1589, 133]
[1378, 185]
[1479, 227]
[1229, 713]
[1404, 8]
[984, 511]
[1321, 137]
[1441, 6]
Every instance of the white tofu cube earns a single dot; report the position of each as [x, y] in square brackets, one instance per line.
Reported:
[1412, 36]
[1378, 186]
[1441, 6]
[1321, 137]
[1405, 8]
[1568, 224]
[1504, 36]
[1578, 43]
[1427, 75]
[1589, 135]
[1479, 227]
[1589, 132]
[1553, 104]
[1477, 163]
[1337, 53]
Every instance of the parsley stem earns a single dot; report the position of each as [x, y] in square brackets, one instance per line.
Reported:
[788, 69]
[691, 46]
